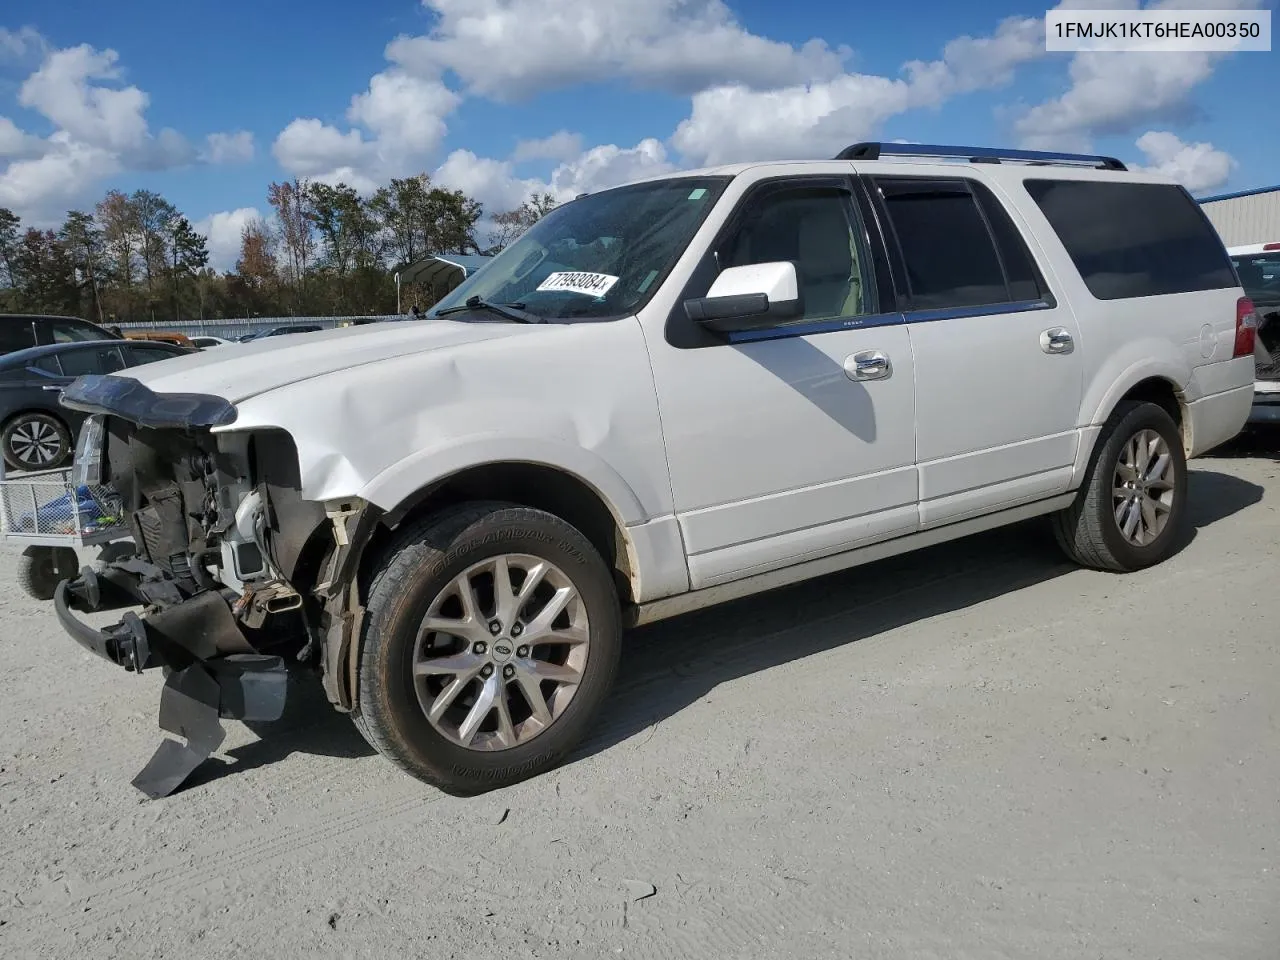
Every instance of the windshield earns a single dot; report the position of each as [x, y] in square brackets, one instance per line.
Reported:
[1259, 275]
[599, 256]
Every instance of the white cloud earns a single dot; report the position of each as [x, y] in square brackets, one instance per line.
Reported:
[41, 190]
[1117, 93]
[492, 182]
[308, 147]
[19, 45]
[733, 123]
[404, 116]
[1197, 166]
[100, 129]
[228, 147]
[223, 231]
[17, 145]
[405, 113]
[607, 166]
[513, 49]
[561, 145]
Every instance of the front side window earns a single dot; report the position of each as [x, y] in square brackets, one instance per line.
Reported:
[947, 247]
[1134, 239]
[603, 255]
[818, 230]
[1260, 276]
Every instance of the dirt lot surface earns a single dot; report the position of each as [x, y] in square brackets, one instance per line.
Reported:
[974, 752]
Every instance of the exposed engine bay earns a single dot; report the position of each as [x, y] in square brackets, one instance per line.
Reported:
[238, 576]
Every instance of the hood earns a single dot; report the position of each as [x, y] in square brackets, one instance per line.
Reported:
[238, 371]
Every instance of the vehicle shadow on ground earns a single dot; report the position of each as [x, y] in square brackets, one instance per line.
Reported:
[669, 665]
[1257, 441]
[309, 725]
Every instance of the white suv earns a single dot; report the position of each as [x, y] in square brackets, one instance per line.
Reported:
[662, 396]
[1258, 266]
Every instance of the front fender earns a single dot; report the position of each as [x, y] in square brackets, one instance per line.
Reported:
[402, 480]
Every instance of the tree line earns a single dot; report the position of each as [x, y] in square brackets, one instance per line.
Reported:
[326, 250]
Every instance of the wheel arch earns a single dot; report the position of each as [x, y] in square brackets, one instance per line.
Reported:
[540, 486]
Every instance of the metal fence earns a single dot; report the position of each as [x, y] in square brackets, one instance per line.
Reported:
[233, 328]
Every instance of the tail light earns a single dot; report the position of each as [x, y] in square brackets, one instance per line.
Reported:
[1246, 327]
[1266, 247]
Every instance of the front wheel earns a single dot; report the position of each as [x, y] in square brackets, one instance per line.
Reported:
[1131, 511]
[490, 641]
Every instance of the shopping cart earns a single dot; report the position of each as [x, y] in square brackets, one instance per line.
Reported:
[51, 517]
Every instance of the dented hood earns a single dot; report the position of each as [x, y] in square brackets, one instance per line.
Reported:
[239, 371]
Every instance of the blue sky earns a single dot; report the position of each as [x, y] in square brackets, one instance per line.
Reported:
[207, 103]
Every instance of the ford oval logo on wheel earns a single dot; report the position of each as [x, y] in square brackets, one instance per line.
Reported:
[502, 650]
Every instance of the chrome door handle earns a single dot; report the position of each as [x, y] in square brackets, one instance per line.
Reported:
[868, 365]
[1056, 340]
[51, 387]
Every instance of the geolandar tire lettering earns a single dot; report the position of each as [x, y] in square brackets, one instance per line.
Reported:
[1131, 511]
[468, 684]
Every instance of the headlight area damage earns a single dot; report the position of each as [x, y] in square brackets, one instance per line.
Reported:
[235, 572]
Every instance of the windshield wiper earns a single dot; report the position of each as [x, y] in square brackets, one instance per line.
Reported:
[512, 311]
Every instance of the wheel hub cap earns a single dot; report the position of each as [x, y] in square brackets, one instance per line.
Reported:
[1144, 488]
[501, 652]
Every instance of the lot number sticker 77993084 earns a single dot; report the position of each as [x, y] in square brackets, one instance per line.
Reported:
[591, 284]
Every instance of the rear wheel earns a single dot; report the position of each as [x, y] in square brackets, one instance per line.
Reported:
[490, 641]
[1131, 511]
[36, 441]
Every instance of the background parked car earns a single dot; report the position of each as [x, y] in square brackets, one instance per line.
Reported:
[204, 342]
[38, 433]
[159, 336]
[281, 331]
[20, 331]
[1258, 267]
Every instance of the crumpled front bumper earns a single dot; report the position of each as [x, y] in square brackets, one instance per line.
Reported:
[212, 672]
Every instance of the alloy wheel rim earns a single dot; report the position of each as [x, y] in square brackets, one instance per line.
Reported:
[35, 443]
[1144, 488]
[501, 652]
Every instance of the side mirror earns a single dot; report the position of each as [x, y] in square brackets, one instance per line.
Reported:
[749, 297]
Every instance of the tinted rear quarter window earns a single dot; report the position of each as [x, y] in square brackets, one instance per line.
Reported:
[16, 335]
[151, 354]
[1134, 239]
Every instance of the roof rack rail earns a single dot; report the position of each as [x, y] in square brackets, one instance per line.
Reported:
[874, 151]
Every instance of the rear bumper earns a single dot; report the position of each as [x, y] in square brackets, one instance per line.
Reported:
[1215, 419]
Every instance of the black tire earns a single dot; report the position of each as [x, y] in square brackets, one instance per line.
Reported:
[41, 569]
[414, 569]
[21, 429]
[1088, 530]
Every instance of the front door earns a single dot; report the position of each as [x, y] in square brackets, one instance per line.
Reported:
[792, 443]
[997, 357]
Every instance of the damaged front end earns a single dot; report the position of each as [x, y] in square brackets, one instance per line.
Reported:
[236, 574]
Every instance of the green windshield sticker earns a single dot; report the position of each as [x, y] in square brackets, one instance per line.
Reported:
[648, 280]
[698, 194]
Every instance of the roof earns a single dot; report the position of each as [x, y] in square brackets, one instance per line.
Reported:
[442, 266]
[31, 354]
[1241, 193]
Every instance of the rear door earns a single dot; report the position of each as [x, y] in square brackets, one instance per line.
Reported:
[999, 378]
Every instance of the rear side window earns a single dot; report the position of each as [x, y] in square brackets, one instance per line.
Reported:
[68, 331]
[76, 363]
[16, 335]
[958, 245]
[1134, 239]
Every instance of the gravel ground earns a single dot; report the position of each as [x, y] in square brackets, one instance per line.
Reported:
[974, 752]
